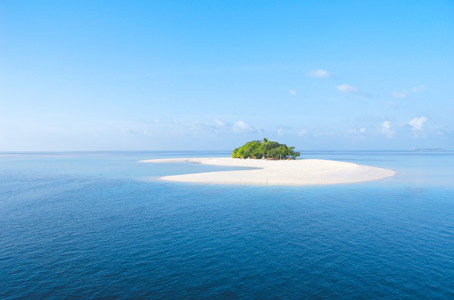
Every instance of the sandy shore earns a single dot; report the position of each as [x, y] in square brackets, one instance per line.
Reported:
[278, 172]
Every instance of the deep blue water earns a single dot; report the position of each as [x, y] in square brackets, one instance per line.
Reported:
[100, 226]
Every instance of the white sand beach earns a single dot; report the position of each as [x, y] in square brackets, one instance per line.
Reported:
[278, 172]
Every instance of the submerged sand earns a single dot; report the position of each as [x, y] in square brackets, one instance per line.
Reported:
[278, 172]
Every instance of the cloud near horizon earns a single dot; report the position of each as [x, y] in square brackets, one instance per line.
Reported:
[386, 129]
[241, 127]
[418, 123]
[280, 131]
[302, 132]
[236, 127]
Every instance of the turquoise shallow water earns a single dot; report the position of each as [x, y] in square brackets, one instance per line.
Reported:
[100, 226]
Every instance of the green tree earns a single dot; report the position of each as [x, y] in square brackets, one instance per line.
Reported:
[265, 149]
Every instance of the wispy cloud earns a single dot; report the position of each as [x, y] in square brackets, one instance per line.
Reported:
[191, 127]
[280, 132]
[348, 89]
[236, 127]
[219, 123]
[418, 89]
[302, 132]
[318, 73]
[386, 129]
[241, 127]
[360, 131]
[400, 94]
[292, 92]
[417, 123]
[403, 94]
[390, 104]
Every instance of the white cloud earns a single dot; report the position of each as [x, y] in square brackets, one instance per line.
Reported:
[387, 130]
[319, 73]
[292, 92]
[346, 88]
[240, 126]
[403, 94]
[390, 104]
[357, 131]
[302, 132]
[418, 88]
[219, 123]
[280, 132]
[221, 126]
[400, 94]
[418, 123]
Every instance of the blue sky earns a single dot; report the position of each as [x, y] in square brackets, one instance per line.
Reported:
[188, 75]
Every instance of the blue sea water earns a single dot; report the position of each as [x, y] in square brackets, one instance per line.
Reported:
[101, 226]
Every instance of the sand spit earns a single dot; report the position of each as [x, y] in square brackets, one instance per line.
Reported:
[278, 172]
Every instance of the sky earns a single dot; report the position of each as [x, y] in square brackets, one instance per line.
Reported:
[211, 75]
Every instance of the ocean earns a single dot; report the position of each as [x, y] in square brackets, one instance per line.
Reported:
[100, 225]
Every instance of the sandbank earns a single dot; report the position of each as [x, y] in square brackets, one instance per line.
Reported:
[278, 172]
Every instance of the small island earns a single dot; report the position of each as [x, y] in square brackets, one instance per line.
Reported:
[265, 149]
[272, 163]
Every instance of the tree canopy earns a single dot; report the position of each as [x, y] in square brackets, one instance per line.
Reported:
[265, 149]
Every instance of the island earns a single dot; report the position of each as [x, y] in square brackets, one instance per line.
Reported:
[265, 149]
[266, 163]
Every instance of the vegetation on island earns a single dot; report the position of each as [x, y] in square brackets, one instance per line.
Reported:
[265, 149]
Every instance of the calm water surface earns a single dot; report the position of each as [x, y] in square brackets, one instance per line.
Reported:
[100, 226]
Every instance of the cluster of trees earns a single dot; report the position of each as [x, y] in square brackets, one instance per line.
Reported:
[265, 149]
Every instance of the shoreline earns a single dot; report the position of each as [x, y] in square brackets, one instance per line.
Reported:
[300, 172]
